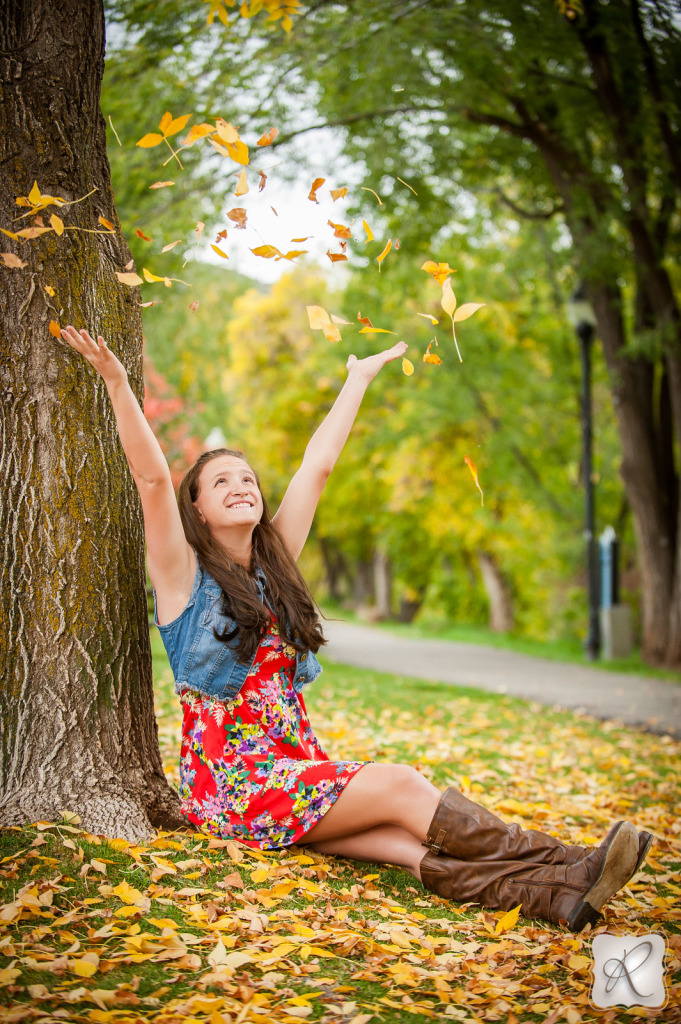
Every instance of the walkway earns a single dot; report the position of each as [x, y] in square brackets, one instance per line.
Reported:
[652, 704]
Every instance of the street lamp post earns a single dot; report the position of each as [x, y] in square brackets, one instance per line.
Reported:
[581, 316]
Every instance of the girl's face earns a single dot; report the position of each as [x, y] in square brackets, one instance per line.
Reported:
[228, 495]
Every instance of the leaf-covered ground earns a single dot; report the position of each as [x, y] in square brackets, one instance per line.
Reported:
[192, 929]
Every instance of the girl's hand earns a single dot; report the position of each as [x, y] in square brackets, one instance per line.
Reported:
[97, 354]
[369, 367]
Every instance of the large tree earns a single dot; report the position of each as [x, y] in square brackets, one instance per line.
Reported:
[78, 731]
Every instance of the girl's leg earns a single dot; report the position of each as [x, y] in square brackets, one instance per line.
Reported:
[380, 794]
[385, 844]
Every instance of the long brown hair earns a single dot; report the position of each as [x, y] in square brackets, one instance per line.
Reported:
[287, 590]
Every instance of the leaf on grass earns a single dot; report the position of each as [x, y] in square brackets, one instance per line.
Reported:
[218, 250]
[509, 921]
[340, 230]
[162, 184]
[268, 138]
[54, 328]
[316, 184]
[382, 256]
[10, 259]
[474, 474]
[407, 367]
[130, 279]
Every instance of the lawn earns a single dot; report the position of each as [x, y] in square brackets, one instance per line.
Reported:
[191, 929]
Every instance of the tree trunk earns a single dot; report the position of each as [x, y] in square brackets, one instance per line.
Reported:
[77, 725]
[382, 584]
[498, 594]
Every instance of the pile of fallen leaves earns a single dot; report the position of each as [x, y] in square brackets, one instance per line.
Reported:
[192, 928]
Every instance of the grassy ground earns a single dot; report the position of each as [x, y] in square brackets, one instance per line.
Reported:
[555, 650]
[188, 928]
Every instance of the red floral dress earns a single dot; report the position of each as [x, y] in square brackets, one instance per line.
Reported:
[251, 768]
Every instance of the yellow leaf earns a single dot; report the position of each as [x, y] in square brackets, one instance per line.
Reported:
[130, 911]
[440, 271]
[11, 234]
[474, 474]
[318, 317]
[266, 251]
[268, 137]
[218, 250]
[316, 184]
[508, 921]
[86, 966]
[32, 232]
[238, 151]
[131, 279]
[176, 125]
[407, 367]
[431, 357]
[54, 328]
[125, 892]
[375, 330]
[57, 223]
[368, 230]
[165, 121]
[338, 193]
[331, 332]
[197, 131]
[579, 963]
[148, 276]
[199, 229]
[12, 260]
[50, 290]
[9, 975]
[226, 132]
[171, 245]
[34, 196]
[241, 185]
[150, 140]
[388, 247]
[429, 316]
[340, 230]
[162, 184]
[106, 223]
[448, 298]
[468, 308]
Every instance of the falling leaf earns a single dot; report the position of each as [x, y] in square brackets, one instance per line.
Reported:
[388, 247]
[474, 474]
[140, 234]
[380, 201]
[331, 332]
[170, 125]
[153, 302]
[368, 230]
[431, 357]
[199, 229]
[149, 141]
[54, 328]
[340, 230]
[198, 131]
[440, 271]
[171, 245]
[338, 193]
[238, 215]
[317, 183]
[11, 234]
[219, 251]
[263, 180]
[57, 224]
[241, 185]
[194, 305]
[364, 319]
[50, 290]
[10, 260]
[130, 264]
[34, 232]
[317, 317]
[268, 138]
[335, 257]
[162, 184]
[375, 330]
[130, 279]
[266, 251]
[301, 239]
[509, 921]
[408, 186]
[429, 316]
[106, 223]
[407, 367]
[151, 278]
[221, 234]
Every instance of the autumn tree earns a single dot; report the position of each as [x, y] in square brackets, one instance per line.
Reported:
[76, 702]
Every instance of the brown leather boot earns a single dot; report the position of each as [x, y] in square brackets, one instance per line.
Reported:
[570, 893]
[468, 831]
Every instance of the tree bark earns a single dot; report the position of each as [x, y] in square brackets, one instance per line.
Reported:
[382, 584]
[77, 724]
[498, 594]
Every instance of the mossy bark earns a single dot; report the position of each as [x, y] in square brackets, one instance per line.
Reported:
[77, 724]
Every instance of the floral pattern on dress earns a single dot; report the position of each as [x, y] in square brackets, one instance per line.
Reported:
[251, 768]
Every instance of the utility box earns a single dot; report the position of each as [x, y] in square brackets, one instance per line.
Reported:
[615, 618]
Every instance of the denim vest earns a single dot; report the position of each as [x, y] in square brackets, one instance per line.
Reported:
[201, 662]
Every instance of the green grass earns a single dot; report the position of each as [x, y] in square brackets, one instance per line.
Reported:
[566, 774]
[570, 651]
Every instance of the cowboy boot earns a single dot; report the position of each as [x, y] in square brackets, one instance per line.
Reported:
[571, 893]
[467, 831]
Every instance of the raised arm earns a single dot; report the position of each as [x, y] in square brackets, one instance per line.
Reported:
[296, 512]
[169, 557]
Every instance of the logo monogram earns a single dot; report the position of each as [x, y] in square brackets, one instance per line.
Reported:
[628, 970]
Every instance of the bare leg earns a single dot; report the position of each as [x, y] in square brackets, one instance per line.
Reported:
[385, 844]
[380, 794]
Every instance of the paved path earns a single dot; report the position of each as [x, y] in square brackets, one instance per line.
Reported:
[652, 704]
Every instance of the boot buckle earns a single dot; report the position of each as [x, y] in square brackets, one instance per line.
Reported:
[439, 840]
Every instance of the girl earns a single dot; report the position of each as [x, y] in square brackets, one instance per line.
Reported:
[241, 632]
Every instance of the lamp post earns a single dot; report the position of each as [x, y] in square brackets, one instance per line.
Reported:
[581, 316]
